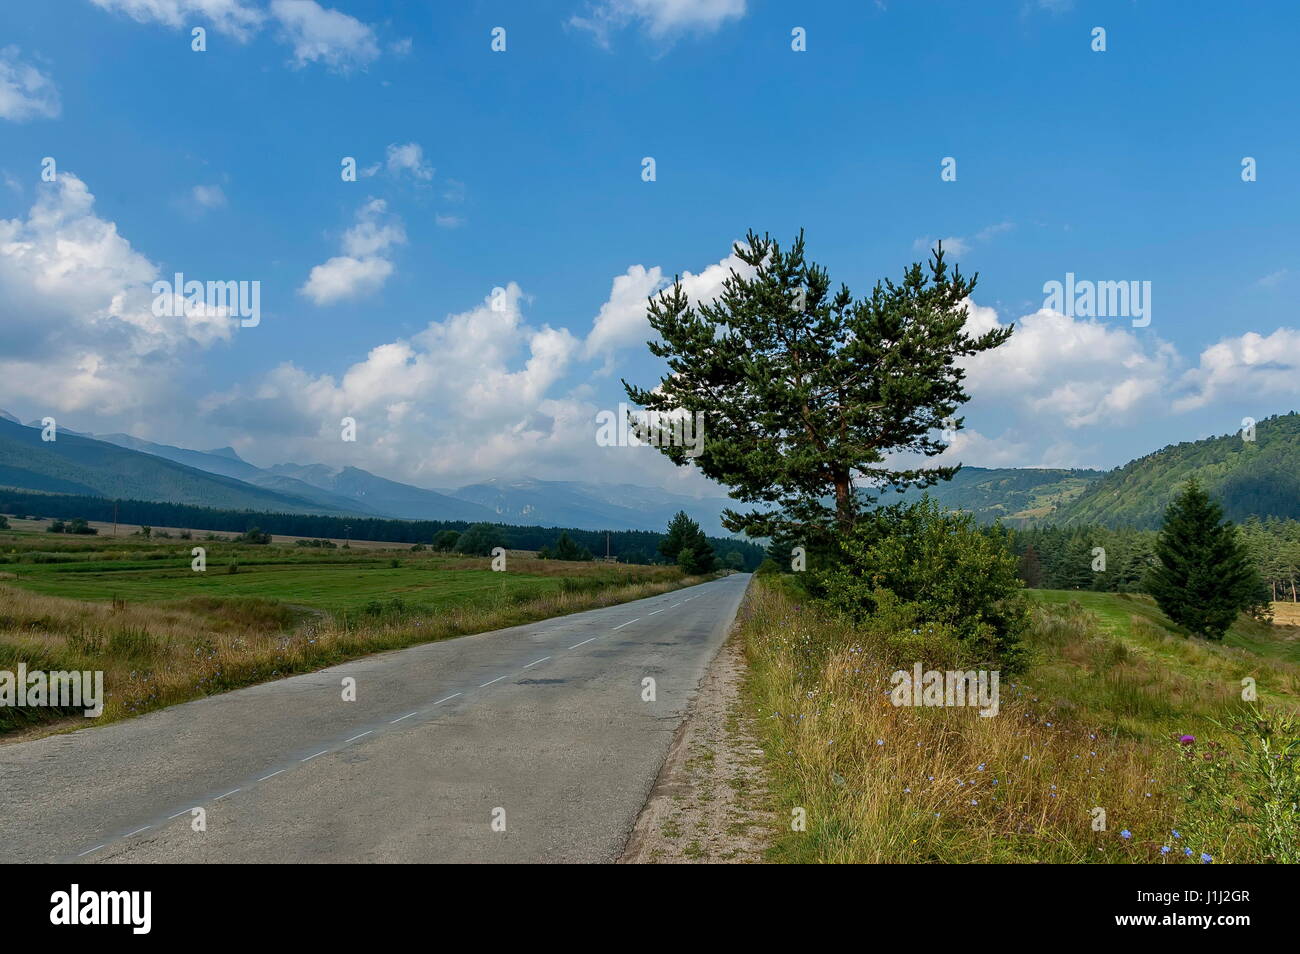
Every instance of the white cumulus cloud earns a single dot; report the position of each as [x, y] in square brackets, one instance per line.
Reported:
[77, 327]
[363, 267]
[408, 158]
[1244, 368]
[317, 34]
[231, 17]
[25, 92]
[621, 321]
[471, 395]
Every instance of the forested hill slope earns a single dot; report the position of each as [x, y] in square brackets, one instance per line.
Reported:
[1014, 495]
[1259, 477]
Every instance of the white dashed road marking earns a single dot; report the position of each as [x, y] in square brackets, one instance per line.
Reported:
[394, 722]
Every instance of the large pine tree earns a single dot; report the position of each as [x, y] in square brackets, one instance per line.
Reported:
[808, 392]
[1203, 575]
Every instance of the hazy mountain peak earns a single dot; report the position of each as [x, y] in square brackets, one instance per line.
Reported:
[229, 452]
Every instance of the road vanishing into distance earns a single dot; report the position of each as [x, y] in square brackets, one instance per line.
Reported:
[542, 725]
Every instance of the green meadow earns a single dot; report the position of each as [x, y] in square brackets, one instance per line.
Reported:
[330, 584]
[164, 633]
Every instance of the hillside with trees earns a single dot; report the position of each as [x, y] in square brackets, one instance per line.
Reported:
[1259, 477]
[1014, 495]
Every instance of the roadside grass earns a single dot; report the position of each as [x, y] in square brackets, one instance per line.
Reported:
[164, 634]
[1092, 725]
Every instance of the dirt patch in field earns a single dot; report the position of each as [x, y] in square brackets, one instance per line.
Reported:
[706, 806]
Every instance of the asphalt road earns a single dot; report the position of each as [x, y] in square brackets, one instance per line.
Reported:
[542, 726]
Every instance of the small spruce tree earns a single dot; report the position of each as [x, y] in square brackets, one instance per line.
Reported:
[1203, 575]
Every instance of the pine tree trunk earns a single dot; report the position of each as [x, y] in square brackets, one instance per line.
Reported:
[843, 501]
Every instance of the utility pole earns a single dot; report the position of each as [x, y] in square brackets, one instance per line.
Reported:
[114, 518]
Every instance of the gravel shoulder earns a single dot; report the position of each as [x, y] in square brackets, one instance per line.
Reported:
[707, 805]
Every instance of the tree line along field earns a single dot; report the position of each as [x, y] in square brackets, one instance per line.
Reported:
[103, 513]
[164, 633]
[1063, 557]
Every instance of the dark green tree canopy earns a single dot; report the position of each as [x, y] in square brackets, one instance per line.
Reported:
[1203, 575]
[480, 539]
[681, 531]
[565, 549]
[686, 545]
[805, 390]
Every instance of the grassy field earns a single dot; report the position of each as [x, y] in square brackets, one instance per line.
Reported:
[164, 633]
[1094, 724]
[326, 582]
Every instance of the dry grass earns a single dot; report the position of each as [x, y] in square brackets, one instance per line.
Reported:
[1091, 726]
[1286, 614]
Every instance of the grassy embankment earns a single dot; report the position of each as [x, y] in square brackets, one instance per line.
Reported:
[1093, 723]
[163, 633]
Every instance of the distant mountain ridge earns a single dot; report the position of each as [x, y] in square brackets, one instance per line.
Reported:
[124, 466]
[1259, 477]
[76, 464]
[567, 503]
[232, 465]
[380, 495]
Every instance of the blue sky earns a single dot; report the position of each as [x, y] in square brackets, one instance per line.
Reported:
[521, 170]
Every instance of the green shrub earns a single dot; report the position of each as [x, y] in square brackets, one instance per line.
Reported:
[479, 540]
[445, 541]
[943, 570]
